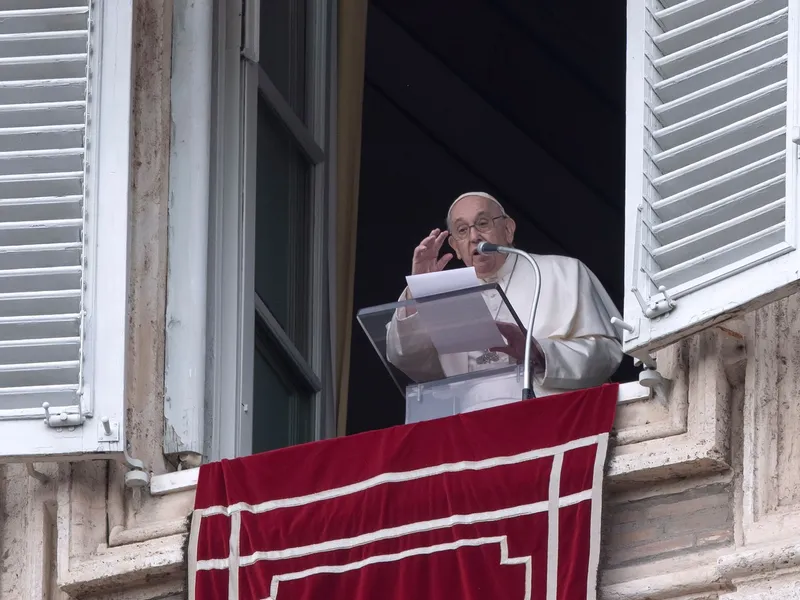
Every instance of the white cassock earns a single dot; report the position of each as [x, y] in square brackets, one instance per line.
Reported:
[573, 327]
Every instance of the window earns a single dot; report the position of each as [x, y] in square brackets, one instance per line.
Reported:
[65, 101]
[283, 189]
[270, 338]
[711, 183]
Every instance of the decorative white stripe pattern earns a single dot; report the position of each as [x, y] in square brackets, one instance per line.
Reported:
[233, 556]
[554, 500]
[194, 536]
[396, 477]
[597, 509]
[383, 558]
[552, 505]
[396, 532]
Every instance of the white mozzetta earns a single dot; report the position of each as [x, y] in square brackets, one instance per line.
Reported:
[711, 166]
[65, 70]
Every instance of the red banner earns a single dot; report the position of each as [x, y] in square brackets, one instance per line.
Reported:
[502, 503]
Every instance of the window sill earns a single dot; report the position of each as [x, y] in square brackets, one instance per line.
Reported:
[186, 479]
[632, 391]
[172, 483]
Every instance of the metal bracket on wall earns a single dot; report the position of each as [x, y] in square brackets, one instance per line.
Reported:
[649, 377]
[38, 475]
[137, 476]
[657, 305]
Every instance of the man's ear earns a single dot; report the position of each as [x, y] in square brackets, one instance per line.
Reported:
[454, 247]
[511, 227]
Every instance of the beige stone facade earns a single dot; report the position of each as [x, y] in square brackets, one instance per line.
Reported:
[703, 486]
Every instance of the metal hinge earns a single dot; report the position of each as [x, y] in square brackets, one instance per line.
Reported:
[657, 305]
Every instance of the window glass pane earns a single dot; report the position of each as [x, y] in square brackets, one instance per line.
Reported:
[282, 227]
[282, 414]
[282, 44]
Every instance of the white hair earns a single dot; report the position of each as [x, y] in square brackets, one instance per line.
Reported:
[480, 195]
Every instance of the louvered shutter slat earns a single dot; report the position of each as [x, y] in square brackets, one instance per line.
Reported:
[717, 174]
[41, 255]
[721, 116]
[707, 26]
[690, 11]
[720, 164]
[716, 95]
[42, 44]
[43, 93]
[47, 349]
[727, 43]
[18, 399]
[53, 325]
[719, 234]
[35, 93]
[718, 141]
[721, 69]
[734, 256]
[708, 216]
[35, 20]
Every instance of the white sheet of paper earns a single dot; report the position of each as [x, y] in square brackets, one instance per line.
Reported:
[458, 324]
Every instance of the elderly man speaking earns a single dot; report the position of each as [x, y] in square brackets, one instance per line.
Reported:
[575, 346]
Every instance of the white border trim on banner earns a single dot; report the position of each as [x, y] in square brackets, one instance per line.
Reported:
[383, 558]
[552, 506]
[401, 476]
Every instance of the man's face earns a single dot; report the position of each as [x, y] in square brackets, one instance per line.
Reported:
[465, 236]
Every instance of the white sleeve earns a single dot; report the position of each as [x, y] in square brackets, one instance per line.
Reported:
[409, 347]
[578, 363]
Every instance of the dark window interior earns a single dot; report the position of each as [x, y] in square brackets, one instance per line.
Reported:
[523, 99]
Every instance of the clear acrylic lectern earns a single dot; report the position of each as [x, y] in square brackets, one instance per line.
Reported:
[429, 392]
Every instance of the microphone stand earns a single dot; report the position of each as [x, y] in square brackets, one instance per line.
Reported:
[487, 248]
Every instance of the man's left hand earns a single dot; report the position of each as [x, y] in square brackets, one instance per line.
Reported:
[515, 347]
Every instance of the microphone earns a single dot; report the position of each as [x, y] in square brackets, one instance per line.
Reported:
[488, 248]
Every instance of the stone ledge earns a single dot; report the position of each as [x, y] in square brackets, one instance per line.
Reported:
[129, 566]
[119, 536]
[763, 563]
[669, 458]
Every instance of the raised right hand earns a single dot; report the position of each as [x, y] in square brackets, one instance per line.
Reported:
[426, 255]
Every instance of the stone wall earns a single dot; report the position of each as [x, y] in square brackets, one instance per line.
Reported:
[71, 530]
[668, 525]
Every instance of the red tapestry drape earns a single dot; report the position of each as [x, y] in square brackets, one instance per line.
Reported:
[502, 503]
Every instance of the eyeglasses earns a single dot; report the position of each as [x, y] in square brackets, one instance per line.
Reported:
[483, 224]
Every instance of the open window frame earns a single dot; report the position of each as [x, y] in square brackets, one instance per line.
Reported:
[234, 308]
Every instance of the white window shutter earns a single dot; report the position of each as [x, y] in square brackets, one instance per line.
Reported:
[65, 100]
[711, 168]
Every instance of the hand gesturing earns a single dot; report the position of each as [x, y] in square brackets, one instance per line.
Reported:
[426, 255]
